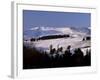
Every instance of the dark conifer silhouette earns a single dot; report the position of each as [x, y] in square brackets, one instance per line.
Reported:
[32, 58]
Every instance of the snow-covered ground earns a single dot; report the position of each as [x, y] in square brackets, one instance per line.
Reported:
[75, 40]
[61, 42]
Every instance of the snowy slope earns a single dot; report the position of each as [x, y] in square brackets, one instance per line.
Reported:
[75, 40]
[62, 42]
[45, 31]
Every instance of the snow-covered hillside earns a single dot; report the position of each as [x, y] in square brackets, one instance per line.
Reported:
[62, 42]
[45, 31]
[75, 40]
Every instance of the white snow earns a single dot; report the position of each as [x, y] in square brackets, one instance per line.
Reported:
[62, 42]
[75, 41]
[61, 30]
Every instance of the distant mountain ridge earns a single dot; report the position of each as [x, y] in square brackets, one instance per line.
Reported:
[45, 31]
[81, 29]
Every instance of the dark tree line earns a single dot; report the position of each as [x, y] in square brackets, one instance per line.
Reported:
[50, 37]
[32, 58]
[57, 36]
[87, 38]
